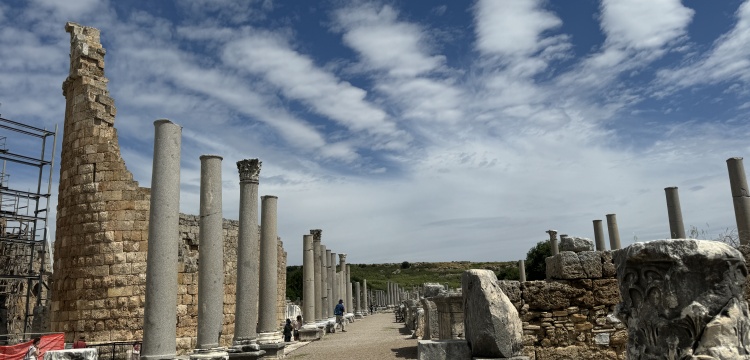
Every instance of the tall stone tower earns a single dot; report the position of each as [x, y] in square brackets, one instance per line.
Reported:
[102, 214]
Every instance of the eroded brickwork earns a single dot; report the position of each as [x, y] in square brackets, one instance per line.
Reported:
[98, 284]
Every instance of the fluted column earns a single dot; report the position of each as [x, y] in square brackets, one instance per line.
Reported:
[342, 275]
[553, 241]
[740, 198]
[674, 213]
[308, 287]
[614, 232]
[599, 236]
[160, 313]
[267, 326]
[248, 242]
[211, 247]
[316, 233]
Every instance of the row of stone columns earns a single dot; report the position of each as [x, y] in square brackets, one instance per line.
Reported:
[254, 304]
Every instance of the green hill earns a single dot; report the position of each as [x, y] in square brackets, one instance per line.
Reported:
[407, 274]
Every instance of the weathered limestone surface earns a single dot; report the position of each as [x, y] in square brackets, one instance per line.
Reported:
[491, 323]
[72, 354]
[690, 293]
[571, 265]
[431, 325]
[98, 283]
[432, 289]
[450, 315]
[443, 350]
[576, 244]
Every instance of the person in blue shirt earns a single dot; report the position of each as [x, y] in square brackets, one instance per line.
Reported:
[339, 312]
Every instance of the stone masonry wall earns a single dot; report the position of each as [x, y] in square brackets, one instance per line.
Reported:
[571, 318]
[98, 283]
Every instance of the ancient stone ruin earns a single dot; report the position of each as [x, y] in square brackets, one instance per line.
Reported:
[684, 299]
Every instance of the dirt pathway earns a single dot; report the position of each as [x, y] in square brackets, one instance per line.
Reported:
[375, 337]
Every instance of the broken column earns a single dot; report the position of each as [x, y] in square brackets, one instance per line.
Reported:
[269, 338]
[160, 313]
[310, 330]
[683, 299]
[614, 233]
[676, 227]
[553, 241]
[522, 270]
[211, 264]
[599, 236]
[740, 198]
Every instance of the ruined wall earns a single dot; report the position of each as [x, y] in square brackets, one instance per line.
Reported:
[571, 318]
[98, 284]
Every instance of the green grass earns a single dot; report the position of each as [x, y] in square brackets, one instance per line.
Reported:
[415, 274]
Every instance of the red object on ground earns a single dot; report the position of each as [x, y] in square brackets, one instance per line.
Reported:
[46, 343]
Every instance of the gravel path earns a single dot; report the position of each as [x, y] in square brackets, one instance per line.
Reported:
[375, 337]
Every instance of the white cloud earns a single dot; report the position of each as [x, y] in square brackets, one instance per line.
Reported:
[728, 59]
[512, 28]
[644, 24]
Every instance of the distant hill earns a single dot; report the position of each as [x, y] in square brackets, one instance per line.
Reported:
[407, 274]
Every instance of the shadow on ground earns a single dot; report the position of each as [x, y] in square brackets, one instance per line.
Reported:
[406, 352]
[404, 330]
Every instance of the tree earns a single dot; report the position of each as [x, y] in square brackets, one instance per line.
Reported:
[536, 264]
[508, 273]
[405, 265]
[294, 280]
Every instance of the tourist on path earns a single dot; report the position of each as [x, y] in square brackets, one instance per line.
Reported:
[288, 331]
[297, 324]
[33, 352]
[339, 312]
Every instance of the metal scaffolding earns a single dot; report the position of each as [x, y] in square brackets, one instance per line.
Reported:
[26, 163]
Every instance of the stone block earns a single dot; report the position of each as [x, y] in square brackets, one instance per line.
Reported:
[546, 296]
[606, 291]
[432, 289]
[491, 323]
[512, 289]
[568, 265]
[72, 354]
[443, 350]
[576, 244]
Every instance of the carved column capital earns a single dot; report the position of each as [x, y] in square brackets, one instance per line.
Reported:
[249, 170]
[317, 234]
[342, 257]
[552, 234]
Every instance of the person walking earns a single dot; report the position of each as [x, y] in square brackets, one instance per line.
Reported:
[339, 312]
[297, 324]
[33, 352]
[288, 331]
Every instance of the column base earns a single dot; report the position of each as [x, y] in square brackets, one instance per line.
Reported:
[273, 351]
[310, 334]
[244, 346]
[209, 354]
[358, 315]
[269, 338]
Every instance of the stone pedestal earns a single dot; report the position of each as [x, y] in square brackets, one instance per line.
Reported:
[209, 354]
[160, 313]
[450, 315]
[235, 353]
[443, 350]
[272, 351]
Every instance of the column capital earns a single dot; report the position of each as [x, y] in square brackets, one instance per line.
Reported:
[552, 234]
[249, 170]
[342, 257]
[317, 234]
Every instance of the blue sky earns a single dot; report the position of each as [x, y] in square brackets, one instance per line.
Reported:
[419, 131]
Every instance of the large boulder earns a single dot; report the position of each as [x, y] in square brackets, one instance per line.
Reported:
[432, 289]
[492, 326]
[576, 244]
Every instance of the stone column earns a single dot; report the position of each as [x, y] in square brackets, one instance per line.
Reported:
[211, 247]
[349, 290]
[324, 282]
[357, 300]
[740, 198]
[331, 258]
[614, 233]
[599, 236]
[674, 213]
[522, 270]
[160, 313]
[310, 330]
[318, 276]
[248, 241]
[553, 241]
[342, 276]
[365, 302]
[267, 323]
